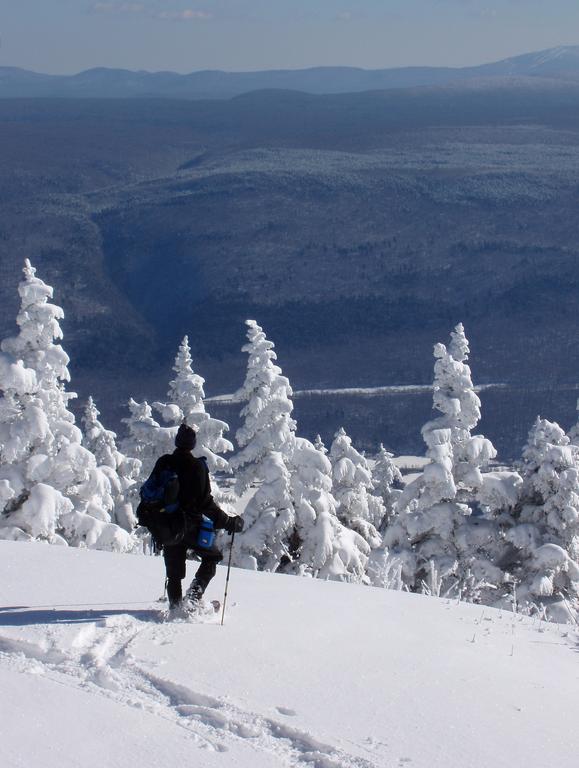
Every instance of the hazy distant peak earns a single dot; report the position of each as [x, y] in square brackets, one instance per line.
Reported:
[560, 63]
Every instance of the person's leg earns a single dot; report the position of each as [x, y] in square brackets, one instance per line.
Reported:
[205, 572]
[176, 569]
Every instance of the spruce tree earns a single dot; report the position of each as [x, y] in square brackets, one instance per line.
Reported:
[323, 547]
[121, 471]
[52, 486]
[186, 405]
[319, 445]
[387, 482]
[146, 439]
[545, 533]
[442, 548]
[266, 441]
[358, 509]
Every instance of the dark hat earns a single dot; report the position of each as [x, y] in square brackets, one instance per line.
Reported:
[186, 437]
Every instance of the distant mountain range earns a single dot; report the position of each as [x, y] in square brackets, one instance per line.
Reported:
[560, 63]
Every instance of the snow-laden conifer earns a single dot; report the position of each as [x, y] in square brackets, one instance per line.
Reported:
[186, 405]
[265, 543]
[51, 485]
[387, 481]
[323, 547]
[266, 442]
[267, 422]
[146, 439]
[121, 471]
[358, 509]
[545, 534]
[438, 543]
[456, 399]
[319, 445]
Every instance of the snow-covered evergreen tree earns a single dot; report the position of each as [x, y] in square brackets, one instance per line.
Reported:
[265, 543]
[322, 546]
[186, 405]
[545, 534]
[51, 485]
[358, 509]
[319, 445]
[434, 530]
[121, 471]
[456, 399]
[146, 439]
[387, 481]
[266, 440]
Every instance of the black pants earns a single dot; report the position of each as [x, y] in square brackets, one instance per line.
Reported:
[175, 566]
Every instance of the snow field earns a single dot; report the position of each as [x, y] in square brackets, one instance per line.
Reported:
[304, 673]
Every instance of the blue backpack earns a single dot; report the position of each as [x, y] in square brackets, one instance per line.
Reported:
[159, 509]
[161, 490]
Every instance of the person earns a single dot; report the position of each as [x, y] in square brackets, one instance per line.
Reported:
[196, 501]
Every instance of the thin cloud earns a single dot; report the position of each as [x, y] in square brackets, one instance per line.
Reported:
[173, 14]
[186, 15]
[118, 8]
[344, 16]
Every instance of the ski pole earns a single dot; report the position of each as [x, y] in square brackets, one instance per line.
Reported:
[227, 578]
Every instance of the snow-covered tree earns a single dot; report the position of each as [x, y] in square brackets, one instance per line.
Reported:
[357, 509]
[319, 445]
[266, 440]
[322, 546]
[268, 425]
[545, 533]
[434, 529]
[121, 471]
[50, 484]
[186, 405]
[266, 541]
[146, 439]
[460, 406]
[387, 481]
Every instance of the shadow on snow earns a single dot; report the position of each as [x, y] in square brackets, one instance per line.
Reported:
[20, 615]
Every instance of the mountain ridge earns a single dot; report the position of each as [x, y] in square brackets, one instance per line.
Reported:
[100, 82]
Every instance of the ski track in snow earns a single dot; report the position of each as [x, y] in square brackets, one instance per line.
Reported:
[98, 660]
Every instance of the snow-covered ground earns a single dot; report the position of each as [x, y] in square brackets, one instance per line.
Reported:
[304, 673]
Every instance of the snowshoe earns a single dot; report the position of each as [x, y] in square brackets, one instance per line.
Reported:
[176, 612]
[202, 607]
[188, 610]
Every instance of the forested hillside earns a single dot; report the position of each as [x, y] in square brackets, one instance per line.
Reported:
[357, 228]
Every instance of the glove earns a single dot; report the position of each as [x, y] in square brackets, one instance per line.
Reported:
[234, 524]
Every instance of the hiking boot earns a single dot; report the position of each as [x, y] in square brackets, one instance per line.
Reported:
[195, 592]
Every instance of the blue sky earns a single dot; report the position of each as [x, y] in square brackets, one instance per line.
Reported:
[64, 36]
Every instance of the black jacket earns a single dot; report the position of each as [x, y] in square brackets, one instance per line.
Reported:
[195, 497]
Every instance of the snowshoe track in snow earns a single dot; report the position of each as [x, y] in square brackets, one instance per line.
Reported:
[97, 658]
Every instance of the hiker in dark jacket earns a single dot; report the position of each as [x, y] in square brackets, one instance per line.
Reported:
[195, 500]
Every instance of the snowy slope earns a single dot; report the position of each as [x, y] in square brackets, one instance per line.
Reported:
[304, 673]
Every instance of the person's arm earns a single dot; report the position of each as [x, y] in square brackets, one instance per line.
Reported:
[211, 509]
[204, 501]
